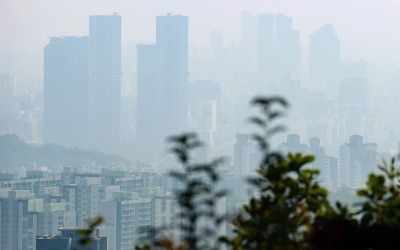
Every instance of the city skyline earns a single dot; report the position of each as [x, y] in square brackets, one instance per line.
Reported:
[139, 114]
[29, 71]
[271, 36]
[307, 20]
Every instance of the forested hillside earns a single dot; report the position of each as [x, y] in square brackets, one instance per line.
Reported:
[15, 153]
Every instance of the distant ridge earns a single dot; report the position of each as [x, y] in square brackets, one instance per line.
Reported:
[15, 153]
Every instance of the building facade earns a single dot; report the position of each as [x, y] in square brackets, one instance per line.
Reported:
[279, 49]
[66, 91]
[162, 83]
[324, 61]
[356, 160]
[69, 240]
[105, 81]
[127, 218]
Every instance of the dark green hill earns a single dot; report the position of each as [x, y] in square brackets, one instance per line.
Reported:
[15, 153]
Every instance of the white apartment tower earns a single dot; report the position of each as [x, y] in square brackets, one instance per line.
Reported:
[126, 214]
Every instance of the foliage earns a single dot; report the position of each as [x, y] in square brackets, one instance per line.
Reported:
[289, 198]
[197, 199]
[382, 198]
[378, 217]
[86, 234]
[271, 108]
[290, 209]
[346, 195]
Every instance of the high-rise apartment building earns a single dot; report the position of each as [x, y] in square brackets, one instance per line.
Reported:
[162, 83]
[84, 198]
[293, 145]
[19, 220]
[324, 60]
[204, 99]
[8, 104]
[105, 80]
[353, 107]
[172, 43]
[265, 46]
[320, 163]
[279, 49]
[165, 212]
[149, 94]
[249, 40]
[126, 217]
[66, 91]
[246, 156]
[23, 216]
[331, 165]
[82, 87]
[356, 160]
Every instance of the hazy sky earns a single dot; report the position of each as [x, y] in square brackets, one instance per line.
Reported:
[367, 29]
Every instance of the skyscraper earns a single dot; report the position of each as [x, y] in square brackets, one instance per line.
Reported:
[85, 196]
[353, 107]
[105, 80]
[324, 60]
[279, 49]
[246, 156]
[172, 43]
[19, 219]
[148, 108]
[66, 91]
[204, 103]
[126, 214]
[265, 46]
[288, 46]
[249, 41]
[162, 84]
[8, 104]
[356, 160]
